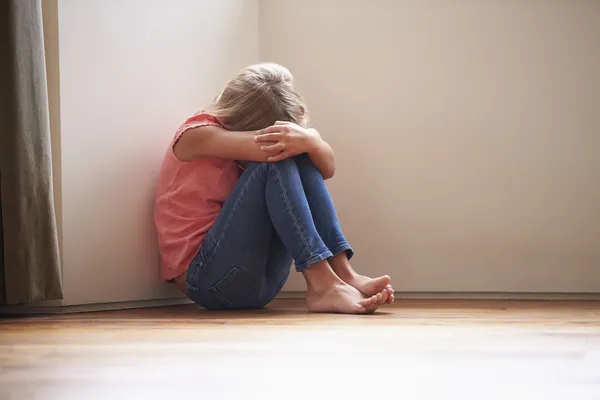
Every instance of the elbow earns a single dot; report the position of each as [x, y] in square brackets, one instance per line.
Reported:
[328, 174]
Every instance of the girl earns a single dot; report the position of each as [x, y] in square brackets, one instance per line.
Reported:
[241, 195]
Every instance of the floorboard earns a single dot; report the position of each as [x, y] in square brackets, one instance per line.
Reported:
[417, 349]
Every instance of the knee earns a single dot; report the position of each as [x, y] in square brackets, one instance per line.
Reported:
[301, 161]
[268, 166]
[286, 166]
[287, 163]
[292, 165]
[304, 162]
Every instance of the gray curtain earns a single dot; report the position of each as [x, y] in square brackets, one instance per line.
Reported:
[30, 266]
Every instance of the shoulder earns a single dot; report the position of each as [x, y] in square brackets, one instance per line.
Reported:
[200, 119]
[194, 134]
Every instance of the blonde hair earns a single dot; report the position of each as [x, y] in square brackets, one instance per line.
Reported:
[257, 97]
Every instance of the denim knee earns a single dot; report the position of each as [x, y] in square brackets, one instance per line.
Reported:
[288, 163]
[302, 160]
[284, 164]
[270, 166]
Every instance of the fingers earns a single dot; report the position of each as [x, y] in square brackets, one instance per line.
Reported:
[270, 129]
[274, 148]
[268, 137]
[281, 156]
[276, 139]
[276, 128]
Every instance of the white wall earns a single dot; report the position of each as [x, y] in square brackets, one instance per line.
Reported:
[130, 72]
[467, 135]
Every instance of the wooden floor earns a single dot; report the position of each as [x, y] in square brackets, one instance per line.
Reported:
[414, 350]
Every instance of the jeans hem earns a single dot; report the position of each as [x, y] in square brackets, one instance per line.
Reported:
[313, 260]
[343, 247]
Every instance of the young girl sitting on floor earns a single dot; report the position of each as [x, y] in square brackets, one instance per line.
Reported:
[241, 195]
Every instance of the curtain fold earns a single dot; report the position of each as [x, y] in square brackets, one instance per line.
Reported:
[30, 266]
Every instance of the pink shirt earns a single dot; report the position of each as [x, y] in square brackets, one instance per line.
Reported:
[189, 196]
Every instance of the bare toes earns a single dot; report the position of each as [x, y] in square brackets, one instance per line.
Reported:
[366, 302]
[360, 309]
[374, 299]
[384, 297]
[390, 298]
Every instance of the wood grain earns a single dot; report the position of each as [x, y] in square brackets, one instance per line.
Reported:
[417, 349]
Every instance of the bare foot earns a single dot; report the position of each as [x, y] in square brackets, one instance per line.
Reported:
[369, 286]
[345, 299]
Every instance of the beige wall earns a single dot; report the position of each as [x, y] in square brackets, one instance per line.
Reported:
[130, 72]
[467, 135]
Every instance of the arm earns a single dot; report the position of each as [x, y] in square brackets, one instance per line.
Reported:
[322, 156]
[214, 141]
[289, 140]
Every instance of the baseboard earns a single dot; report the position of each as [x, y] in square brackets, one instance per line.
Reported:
[473, 296]
[58, 309]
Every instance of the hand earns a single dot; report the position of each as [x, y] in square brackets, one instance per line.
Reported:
[286, 139]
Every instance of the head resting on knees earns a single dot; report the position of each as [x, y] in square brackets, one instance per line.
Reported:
[257, 97]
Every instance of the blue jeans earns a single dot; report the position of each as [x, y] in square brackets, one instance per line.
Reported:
[277, 212]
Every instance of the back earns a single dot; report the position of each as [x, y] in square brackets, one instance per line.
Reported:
[189, 197]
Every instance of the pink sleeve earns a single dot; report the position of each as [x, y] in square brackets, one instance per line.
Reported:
[196, 121]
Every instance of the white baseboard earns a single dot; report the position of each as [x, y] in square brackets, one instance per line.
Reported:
[473, 296]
